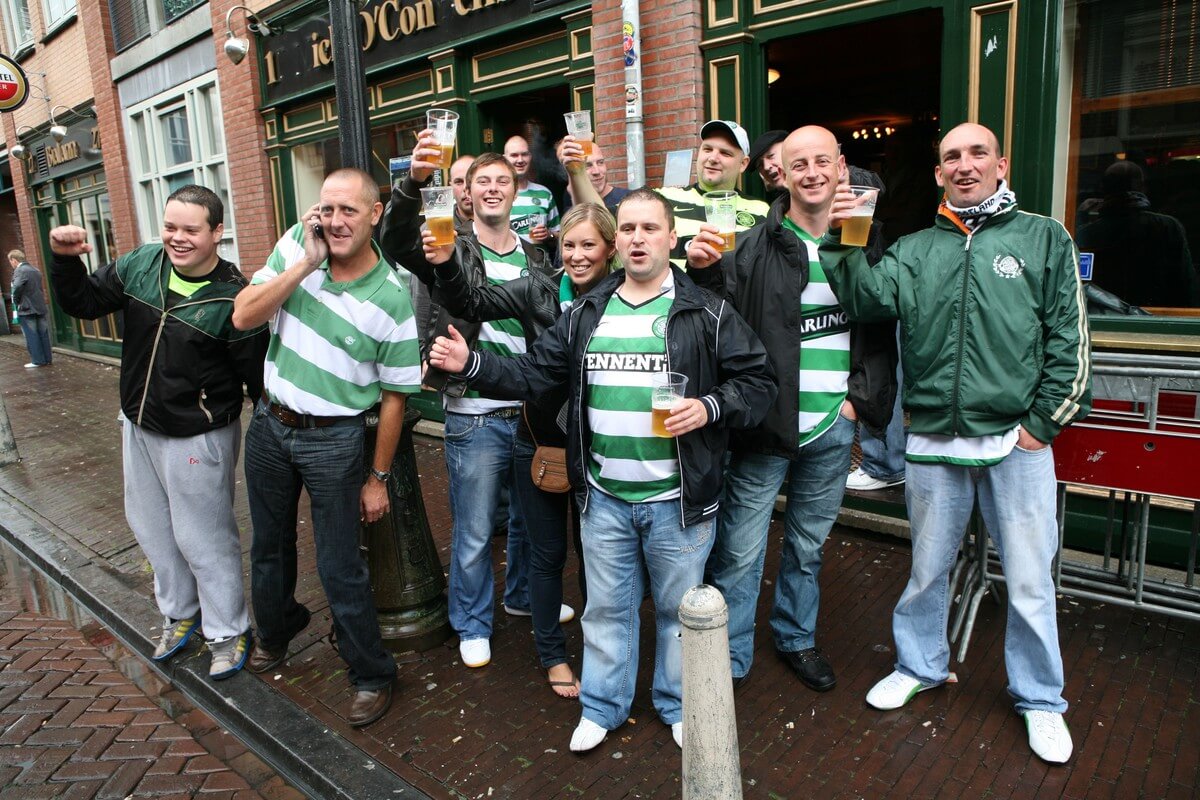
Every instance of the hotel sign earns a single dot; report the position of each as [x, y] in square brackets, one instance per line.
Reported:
[300, 58]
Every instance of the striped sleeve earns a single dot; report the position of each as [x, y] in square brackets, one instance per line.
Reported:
[287, 251]
[399, 353]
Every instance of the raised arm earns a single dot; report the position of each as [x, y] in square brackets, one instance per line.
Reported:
[80, 294]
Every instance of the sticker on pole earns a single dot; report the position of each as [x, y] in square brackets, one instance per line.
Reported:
[14, 87]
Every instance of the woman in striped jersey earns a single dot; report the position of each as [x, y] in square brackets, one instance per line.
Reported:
[587, 249]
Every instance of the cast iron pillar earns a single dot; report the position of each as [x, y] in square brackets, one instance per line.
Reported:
[406, 573]
[349, 87]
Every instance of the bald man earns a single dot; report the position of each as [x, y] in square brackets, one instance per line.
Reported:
[830, 374]
[597, 172]
[534, 215]
[996, 362]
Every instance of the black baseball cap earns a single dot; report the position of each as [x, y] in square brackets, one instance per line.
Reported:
[764, 143]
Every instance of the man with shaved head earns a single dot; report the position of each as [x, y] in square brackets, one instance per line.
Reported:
[996, 360]
[830, 374]
[534, 215]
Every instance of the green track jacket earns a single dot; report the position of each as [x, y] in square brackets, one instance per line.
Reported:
[993, 324]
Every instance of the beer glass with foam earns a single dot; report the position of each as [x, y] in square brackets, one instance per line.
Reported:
[720, 209]
[579, 125]
[857, 229]
[439, 213]
[444, 124]
[666, 389]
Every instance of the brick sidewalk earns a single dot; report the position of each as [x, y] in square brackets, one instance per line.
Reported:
[499, 732]
[72, 726]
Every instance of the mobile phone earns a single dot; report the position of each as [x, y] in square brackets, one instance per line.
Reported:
[318, 231]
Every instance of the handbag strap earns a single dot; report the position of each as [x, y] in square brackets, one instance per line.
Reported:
[525, 416]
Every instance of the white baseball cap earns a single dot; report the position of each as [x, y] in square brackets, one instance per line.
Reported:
[726, 127]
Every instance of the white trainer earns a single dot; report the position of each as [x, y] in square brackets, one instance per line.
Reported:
[677, 733]
[475, 652]
[895, 691]
[860, 481]
[587, 736]
[565, 614]
[1049, 738]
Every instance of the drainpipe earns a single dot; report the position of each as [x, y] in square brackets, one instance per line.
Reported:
[631, 44]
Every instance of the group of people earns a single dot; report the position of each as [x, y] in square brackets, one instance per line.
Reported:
[545, 333]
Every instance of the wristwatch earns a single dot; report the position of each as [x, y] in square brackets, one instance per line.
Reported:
[382, 475]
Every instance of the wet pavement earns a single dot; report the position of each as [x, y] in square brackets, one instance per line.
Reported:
[500, 732]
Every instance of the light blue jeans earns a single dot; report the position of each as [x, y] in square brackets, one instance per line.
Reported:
[1017, 500]
[815, 483]
[479, 461]
[883, 459]
[622, 542]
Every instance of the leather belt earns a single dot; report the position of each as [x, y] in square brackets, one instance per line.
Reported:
[294, 419]
[504, 413]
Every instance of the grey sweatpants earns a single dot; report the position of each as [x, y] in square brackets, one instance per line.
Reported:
[179, 503]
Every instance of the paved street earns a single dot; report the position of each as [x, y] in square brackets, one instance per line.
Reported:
[500, 732]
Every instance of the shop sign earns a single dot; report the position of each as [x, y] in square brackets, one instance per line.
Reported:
[14, 87]
[389, 30]
[80, 147]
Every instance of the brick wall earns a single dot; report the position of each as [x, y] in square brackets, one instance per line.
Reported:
[672, 81]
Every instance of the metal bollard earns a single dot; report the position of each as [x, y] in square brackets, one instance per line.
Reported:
[711, 761]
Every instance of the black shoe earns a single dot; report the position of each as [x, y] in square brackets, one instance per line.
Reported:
[812, 668]
[740, 682]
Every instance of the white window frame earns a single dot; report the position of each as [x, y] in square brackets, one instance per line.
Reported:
[67, 12]
[18, 40]
[150, 168]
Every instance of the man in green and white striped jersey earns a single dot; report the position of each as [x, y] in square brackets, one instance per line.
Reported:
[343, 338]
[534, 214]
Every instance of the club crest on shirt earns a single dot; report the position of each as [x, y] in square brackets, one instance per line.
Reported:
[659, 327]
[745, 219]
[1008, 266]
[349, 340]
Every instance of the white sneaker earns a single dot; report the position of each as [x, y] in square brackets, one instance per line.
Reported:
[677, 733]
[565, 614]
[587, 736]
[475, 652]
[895, 691]
[1049, 738]
[860, 481]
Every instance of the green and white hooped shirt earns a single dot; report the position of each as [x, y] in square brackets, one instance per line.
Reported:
[504, 337]
[626, 459]
[533, 201]
[824, 347]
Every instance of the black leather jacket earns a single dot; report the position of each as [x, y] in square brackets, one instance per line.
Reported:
[706, 340]
[400, 238]
[763, 278]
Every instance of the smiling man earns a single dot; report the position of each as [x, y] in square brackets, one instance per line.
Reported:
[997, 361]
[830, 374]
[343, 338]
[721, 161]
[534, 214]
[183, 365]
[646, 501]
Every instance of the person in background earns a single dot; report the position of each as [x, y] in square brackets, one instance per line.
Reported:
[766, 156]
[29, 300]
[534, 215]
[597, 174]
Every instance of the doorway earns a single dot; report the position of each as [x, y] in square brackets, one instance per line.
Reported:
[536, 115]
[884, 109]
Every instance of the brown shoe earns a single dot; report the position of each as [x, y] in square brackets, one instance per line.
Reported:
[263, 659]
[369, 705]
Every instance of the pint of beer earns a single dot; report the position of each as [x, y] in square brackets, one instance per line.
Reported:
[579, 125]
[666, 390]
[439, 213]
[720, 209]
[857, 229]
[444, 124]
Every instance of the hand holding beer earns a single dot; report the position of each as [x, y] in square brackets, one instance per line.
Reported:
[672, 414]
[705, 248]
[720, 209]
[435, 252]
[570, 153]
[425, 157]
[450, 353]
[852, 210]
[579, 128]
[443, 124]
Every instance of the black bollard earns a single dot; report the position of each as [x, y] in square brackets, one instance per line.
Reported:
[406, 573]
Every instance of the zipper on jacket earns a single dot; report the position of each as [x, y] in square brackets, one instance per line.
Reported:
[207, 414]
[678, 450]
[962, 334]
[583, 451]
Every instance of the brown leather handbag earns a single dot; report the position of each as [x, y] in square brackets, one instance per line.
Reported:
[549, 466]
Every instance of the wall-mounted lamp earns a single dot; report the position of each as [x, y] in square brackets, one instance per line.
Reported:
[236, 47]
[18, 150]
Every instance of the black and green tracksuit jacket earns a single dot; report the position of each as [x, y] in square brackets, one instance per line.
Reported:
[183, 364]
[993, 327]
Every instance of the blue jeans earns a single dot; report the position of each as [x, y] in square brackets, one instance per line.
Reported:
[479, 460]
[328, 464]
[621, 542]
[884, 460]
[547, 524]
[1017, 500]
[815, 484]
[37, 338]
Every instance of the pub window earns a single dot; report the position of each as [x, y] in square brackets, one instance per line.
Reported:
[18, 32]
[1133, 185]
[57, 12]
[176, 139]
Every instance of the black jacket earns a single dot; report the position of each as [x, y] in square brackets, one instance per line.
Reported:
[400, 238]
[182, 364]
[533, 300]
[763, 277]
[706, 340]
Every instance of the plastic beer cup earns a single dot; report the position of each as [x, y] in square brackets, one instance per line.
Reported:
[857, 229]
[579, 125]
[666, 389]
[444, 124]
[439, 213]
[720, 210]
